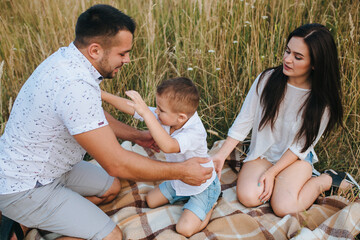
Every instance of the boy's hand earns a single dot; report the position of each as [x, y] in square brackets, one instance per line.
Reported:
[137, 102]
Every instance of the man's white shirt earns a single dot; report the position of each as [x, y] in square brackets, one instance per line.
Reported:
[60, 99]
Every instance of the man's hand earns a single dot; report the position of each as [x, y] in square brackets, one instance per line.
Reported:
[195, 174]
[146, 140]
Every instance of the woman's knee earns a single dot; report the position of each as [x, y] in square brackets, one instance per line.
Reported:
[283, 207]
[248, 196]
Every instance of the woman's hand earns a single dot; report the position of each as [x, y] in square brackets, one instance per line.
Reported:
[218, 164]
[267, 180]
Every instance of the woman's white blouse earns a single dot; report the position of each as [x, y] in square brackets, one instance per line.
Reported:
[269, 143]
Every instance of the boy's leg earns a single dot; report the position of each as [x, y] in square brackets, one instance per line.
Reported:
[155, 198]
[163, 194]
[189, 223]
[198, 210]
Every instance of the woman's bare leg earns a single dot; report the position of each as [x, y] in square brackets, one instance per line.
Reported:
[247, 188]
[295, 190]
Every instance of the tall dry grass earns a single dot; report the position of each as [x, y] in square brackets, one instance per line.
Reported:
[221, 45]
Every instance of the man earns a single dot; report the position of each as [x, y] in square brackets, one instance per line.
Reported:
[57, 117]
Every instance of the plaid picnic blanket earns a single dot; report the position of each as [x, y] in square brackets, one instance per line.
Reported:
[331, 217]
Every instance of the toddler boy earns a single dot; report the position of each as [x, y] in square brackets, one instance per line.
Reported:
[179, 133]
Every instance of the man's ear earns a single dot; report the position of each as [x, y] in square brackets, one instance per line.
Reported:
[182, 117]
[95, 51]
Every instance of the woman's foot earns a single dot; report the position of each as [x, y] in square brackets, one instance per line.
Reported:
[341, 182]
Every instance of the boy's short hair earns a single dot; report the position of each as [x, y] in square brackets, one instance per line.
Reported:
[181, 93]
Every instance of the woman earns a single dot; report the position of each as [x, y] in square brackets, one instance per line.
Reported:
[288, 109]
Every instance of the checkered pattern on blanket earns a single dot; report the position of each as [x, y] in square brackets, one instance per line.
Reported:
[329, 218]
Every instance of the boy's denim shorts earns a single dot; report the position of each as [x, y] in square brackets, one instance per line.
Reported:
[200, 204]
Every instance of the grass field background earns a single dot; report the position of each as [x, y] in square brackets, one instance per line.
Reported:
[221, 45]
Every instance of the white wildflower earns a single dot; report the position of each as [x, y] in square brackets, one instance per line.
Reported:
[264, 17]
[218, 69]
[211, 51]
[235, 42]
[190, 69]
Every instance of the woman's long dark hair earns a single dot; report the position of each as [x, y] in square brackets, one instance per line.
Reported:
[325, 85]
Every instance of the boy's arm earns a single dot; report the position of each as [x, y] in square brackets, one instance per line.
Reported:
[165, 142]
[122, 104]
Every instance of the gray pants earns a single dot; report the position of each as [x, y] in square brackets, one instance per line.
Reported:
[60, 206]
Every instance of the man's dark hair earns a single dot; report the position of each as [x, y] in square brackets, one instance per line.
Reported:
[100, 23]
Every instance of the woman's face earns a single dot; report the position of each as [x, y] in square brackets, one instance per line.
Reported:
[296, 60]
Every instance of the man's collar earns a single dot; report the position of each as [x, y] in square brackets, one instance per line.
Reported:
[97, 76]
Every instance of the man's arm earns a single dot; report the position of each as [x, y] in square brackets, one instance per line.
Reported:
[119, 103]
[102, 144]
[122, 130]
[126, 132]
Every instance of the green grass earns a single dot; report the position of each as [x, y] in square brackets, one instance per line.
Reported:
[225, 43]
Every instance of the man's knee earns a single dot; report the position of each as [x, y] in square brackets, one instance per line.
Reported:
[116, 234]
[113, 191]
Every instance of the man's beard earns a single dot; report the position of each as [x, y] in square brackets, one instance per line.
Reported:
[104, 67]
